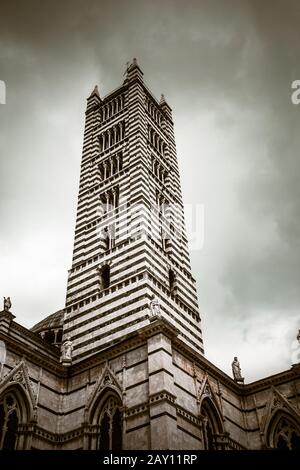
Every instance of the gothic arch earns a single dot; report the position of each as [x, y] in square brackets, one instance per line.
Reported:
[107, 383]
[211, 423]
[104, 413]
[210, 414]
[19, 379]
[210, 411]
[16, 414]
[207, 397]
[98, 406]
[280, 416]
[283, 431]
[107, 420]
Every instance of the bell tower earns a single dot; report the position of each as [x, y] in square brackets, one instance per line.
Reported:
[130, 258]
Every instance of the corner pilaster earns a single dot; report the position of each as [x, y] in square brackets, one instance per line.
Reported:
[162, 407]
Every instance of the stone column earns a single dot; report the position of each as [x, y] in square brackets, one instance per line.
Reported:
[115, 195]
[108, 201]
[94, 438]
[105, 198]
[157, 170]
[104, 141]
[105, 170]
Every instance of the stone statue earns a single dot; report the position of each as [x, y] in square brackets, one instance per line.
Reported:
[66, 350]
[7, 304]
[155, 307]
[298, 336]
[108, 236]
[236, 370]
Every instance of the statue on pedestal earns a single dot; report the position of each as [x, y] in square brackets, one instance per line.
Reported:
[7, 304]
[155, 307]
[236, 370]
[66, 350]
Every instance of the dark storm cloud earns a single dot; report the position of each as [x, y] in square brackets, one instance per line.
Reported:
[226, 68]
[271, 192]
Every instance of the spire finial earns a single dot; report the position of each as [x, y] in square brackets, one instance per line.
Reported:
[95, 92]
[133, 70]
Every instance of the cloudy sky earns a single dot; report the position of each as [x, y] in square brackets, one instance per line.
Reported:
[226, 68]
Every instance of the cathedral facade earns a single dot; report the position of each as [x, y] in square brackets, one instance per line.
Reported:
[122, 366]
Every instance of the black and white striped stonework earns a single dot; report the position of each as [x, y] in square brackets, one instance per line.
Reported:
[130, 242]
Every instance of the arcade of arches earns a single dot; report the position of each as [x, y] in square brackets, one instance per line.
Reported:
[283, 432]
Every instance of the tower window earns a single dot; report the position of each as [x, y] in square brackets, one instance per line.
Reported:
[105, 277]
[110, 166]
[109, 200]
[172, 280]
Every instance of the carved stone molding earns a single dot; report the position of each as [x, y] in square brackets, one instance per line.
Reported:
[107, 380]
[162, 396]
[135, 410]
[19, 375]
[204, 389]
[276, 403]
[188, 416]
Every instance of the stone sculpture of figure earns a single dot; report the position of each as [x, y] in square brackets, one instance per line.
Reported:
[7, 304]
[155, 307]
[108, 236]
[236, 370]
[66, 349]
[298, 336]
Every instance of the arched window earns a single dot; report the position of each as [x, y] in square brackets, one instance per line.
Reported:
[110, 423]
[172, 281]
[9, 420]
[285, 433]
[211, 424]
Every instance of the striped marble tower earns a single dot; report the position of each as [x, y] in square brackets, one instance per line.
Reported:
[130, 259]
